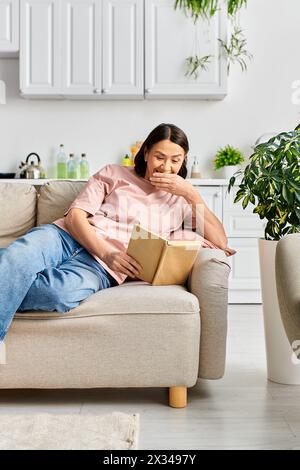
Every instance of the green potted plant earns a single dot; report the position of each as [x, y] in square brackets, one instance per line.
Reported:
[227, 161]
[271, 183]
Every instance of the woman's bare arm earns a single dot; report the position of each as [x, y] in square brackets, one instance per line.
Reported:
[203, 218]
[80, 229]
[211, 225]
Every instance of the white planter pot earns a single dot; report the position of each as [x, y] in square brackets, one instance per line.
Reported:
[280, 365]
[226, 172]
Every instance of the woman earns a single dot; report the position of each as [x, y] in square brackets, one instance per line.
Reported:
[56, 266]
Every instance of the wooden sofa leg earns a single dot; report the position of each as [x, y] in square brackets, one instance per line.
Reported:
[178, 397]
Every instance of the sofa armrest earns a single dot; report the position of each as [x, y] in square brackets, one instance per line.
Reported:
[208, 281]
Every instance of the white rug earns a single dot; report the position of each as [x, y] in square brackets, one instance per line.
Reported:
[116, 431]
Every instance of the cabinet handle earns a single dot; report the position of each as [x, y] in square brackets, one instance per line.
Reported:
[97, 91]
[148, 90]
[218, 194]
[104, 91]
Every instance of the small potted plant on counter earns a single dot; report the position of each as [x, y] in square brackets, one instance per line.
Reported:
[271, 182]
[228, 161]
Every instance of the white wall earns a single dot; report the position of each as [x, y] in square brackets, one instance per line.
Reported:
[258, 101]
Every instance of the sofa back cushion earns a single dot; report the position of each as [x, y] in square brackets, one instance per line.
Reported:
[55, 198]
[17, 210]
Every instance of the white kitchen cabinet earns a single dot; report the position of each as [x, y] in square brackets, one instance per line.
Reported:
[81, 47]
[40, 54]
[58, 47]
[105, 49]
[169, 40]
[213, 198]
[9, 28]
[243, 229]
[239, 222]
[244, 279]
[91, 49]
[102, 48]
[123, 48]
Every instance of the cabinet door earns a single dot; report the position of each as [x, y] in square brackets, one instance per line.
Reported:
[81, 47]
[244, 279]
[40, 64]
[239, 222]
[123, 48]
[243, 229]
[212, 196]
[9, 27]
[169, 40]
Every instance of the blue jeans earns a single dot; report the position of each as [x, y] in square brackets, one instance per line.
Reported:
[47, 269]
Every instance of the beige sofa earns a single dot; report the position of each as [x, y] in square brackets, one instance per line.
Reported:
[132, 335]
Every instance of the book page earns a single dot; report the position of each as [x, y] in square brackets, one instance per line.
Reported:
[192, 244]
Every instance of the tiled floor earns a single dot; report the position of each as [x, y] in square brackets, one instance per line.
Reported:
[241, 411]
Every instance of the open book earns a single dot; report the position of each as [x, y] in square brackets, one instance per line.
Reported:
[163, 261]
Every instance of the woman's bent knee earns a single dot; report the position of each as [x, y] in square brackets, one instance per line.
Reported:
[46, 298]
[55, 300]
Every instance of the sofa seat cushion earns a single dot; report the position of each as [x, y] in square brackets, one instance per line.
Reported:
[18, 211]
[136, 297]
[125, 336]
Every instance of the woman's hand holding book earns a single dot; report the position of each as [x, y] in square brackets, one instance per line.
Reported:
[121, 262]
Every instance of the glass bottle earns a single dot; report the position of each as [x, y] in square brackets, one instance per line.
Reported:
[61, 163]
[51, 172]
[134, 150]
[84, 167]
[71, 167]
[126, 160]
[195, 173]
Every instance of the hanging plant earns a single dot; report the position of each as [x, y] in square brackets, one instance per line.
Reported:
[204, 8]
[233, 6]
[208, 8]
[196, 64]
[235, 49]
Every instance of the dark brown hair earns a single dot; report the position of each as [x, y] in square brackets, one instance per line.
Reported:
[162, 132]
